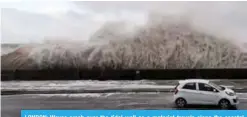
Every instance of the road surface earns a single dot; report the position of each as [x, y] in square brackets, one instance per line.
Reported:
[11, 105]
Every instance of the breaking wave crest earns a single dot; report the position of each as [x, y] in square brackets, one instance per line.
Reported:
[160, 45]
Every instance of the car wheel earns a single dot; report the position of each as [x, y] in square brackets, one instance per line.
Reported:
[180, 102]
[224, 104]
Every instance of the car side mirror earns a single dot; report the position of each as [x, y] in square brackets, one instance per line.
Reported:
[215, 90]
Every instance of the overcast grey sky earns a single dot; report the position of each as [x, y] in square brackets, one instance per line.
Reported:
[25, 22]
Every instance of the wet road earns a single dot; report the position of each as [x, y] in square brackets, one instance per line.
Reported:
[11, 105]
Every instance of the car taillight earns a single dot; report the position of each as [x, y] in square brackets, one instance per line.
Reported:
[176, 91]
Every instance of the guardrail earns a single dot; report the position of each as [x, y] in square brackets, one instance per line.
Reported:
[123, 74]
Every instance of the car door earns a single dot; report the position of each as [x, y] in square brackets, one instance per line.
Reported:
[208, 94]
[190, 93]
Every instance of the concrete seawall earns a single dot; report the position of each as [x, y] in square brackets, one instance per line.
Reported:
[167, 74]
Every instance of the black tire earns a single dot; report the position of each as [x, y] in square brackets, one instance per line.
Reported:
[224, 104]
[180, 102]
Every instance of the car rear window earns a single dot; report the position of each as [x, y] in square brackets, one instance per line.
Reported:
[191, 86]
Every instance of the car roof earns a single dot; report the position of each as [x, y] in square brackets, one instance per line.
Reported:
[194, 80]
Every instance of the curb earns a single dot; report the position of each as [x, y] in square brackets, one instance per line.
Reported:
[17, 92]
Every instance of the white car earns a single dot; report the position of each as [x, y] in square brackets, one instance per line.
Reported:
[203, 92]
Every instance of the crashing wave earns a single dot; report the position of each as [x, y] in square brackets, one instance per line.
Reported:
[159, 45]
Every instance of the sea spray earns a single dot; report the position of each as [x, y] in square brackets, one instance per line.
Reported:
[160, 45]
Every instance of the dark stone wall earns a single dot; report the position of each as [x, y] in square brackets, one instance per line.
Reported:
[169, 74]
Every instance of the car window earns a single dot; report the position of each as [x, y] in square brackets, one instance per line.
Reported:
[191, 86]
[217, 86]
[205, 87]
